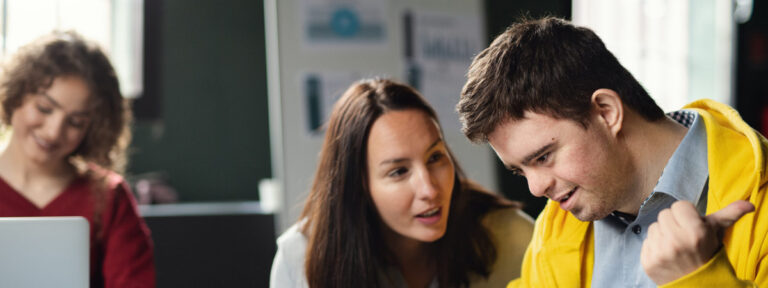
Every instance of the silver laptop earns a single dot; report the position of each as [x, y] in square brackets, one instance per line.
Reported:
[44, 252]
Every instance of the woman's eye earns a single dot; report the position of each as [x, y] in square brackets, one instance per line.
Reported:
[77, 123]
[397, 172]
[44, 110]
[435, 157]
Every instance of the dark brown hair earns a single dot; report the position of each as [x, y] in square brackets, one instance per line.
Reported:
[546, 66]
[345, 247]
[59, 54]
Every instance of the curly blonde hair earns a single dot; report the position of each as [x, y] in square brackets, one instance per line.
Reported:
[59, 54]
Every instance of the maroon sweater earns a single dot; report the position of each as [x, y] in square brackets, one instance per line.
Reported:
[122, 255]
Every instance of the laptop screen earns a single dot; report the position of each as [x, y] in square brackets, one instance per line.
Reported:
[44, 252]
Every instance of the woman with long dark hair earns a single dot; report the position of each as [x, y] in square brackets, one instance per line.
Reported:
[390, 207]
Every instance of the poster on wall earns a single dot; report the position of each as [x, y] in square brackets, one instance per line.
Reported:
[438, 50]
[343, 24]
[321, 89]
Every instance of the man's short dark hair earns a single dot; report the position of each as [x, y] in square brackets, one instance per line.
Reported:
[546, 66]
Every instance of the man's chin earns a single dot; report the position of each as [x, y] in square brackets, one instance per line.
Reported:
[586, 216]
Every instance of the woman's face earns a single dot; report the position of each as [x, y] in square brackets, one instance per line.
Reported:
[50, 125]
[410, 174]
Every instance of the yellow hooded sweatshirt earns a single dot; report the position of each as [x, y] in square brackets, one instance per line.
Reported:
[561, 252]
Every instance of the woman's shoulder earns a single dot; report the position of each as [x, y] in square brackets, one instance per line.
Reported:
[508, 220]
[288, 265]
[292, 246]
[109, 186]
[100, 175]
[293, 237]
[511, 230]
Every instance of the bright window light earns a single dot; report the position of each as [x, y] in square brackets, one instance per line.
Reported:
[680, 50]
[116, 25]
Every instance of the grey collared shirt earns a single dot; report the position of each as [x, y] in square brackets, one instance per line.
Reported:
[618, 239]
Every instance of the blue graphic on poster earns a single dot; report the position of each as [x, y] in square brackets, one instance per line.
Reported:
[343, 23]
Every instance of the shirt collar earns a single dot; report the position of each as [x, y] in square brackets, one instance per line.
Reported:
[687, 171]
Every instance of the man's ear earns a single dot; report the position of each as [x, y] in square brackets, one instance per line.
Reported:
[609, 108]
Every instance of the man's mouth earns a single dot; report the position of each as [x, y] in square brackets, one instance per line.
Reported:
[567, 196]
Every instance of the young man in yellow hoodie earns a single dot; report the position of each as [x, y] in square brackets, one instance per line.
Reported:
[637, 198]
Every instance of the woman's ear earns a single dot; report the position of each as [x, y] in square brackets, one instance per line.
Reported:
[610, 109]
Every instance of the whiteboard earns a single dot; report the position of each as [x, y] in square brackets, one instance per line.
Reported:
[292, 55]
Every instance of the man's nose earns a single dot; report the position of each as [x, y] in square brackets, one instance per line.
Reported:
[539, 183]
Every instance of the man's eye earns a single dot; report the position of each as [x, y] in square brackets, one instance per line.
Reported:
[517, 172]
[543, 158]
